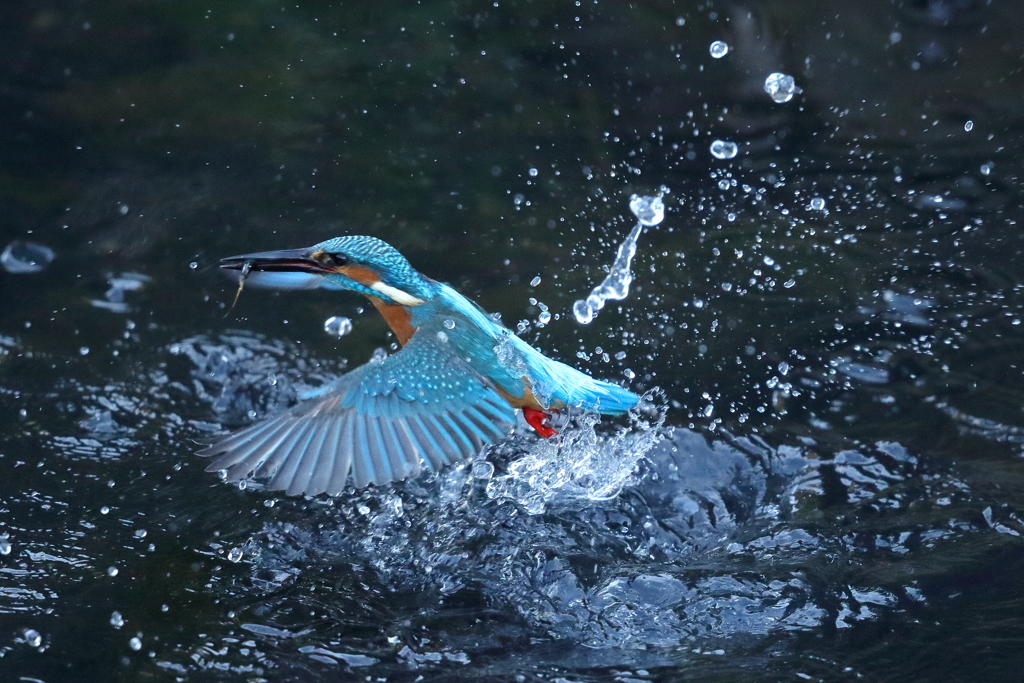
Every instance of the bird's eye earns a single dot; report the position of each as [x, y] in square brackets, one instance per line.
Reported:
[338, 259]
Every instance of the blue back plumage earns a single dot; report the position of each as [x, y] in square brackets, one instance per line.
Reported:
[505, 359]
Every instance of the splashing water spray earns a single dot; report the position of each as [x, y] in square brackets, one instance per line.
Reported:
[649, 211]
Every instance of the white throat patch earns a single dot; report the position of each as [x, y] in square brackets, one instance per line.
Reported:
[396, 294]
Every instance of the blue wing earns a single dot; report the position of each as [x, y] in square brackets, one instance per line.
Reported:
[378, 423]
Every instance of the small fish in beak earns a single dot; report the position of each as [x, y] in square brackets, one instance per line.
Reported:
[244, 273]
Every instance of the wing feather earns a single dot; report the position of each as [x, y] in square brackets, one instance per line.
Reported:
[378, 423]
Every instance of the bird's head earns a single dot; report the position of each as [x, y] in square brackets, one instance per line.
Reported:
[358, 263]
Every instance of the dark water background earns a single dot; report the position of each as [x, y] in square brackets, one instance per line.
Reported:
[837, 493]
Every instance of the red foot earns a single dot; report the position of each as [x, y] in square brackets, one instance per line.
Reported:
[538, 420]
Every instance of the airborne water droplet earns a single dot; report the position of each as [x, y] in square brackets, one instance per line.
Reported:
[723, 149]
[650, 211]
[719, 49]
[337, 326]
[781, 87]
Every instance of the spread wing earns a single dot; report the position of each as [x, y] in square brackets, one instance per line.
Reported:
[378, 423]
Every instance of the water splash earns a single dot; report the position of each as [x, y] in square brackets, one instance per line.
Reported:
[581, 467]
[119, 284]
[650, 211]
[25, 257]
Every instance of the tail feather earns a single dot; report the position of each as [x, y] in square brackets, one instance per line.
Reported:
[570, 386]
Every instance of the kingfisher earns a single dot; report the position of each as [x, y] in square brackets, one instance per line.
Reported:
[450, 391]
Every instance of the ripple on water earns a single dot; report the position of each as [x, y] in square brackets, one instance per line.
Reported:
[617, 541]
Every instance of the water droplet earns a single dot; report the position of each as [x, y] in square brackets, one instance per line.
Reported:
[116, 620]
[337, 326]
[818, 204]
[986, 168]
[790, 283]
[719, 49]
[482, 470]
[235, 555]
[628, 374]
[140, 533]
[193, 265]
[533, 173]
[968, 126]
[616, 283]
[449, 323]
[379, 355]
[581, 311]
[111, 571]
[123, 209]
[535, 281]
[32, 637]
[680, 21]
[5, 546]
[25, 257]
[781, 87]
[650, 211]
[544, 318]
[363, 509]
[723, 149]
[135, 644]
[84, 350]
[104, 510]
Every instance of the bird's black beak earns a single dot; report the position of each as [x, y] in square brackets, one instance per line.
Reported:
[285, 260]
